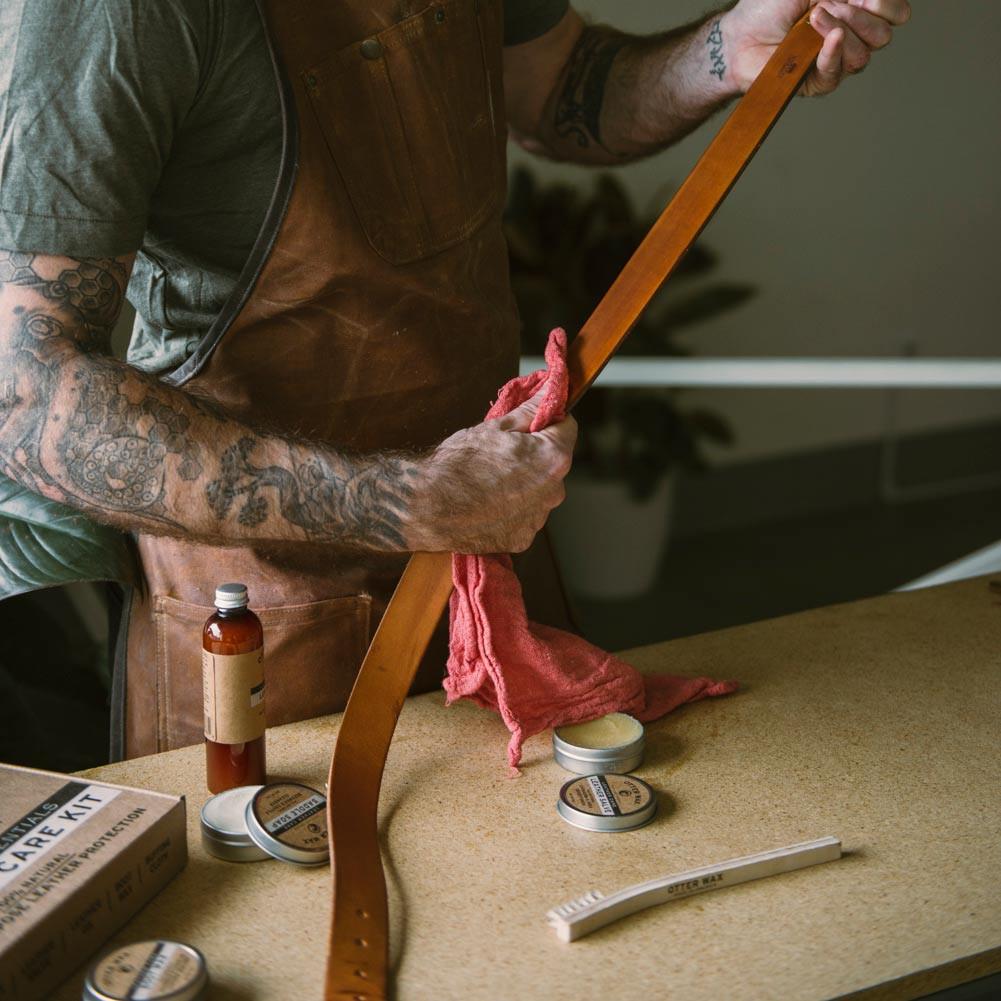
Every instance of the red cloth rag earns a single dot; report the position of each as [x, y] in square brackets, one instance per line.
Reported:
[533, 675]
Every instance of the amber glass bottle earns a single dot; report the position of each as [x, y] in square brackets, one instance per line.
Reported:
[233, 689]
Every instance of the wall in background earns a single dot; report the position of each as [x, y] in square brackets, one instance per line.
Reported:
[869, 221]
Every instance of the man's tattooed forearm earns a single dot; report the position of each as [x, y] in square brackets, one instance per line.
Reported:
[116, 452]
[717, 65]
[81, 427]
[357, 502]
[578, 110]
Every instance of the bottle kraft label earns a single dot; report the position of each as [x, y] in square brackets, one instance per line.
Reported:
[233, 691]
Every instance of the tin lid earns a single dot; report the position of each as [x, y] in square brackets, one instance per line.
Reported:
[224, 826]
[156, 970]
[612, 743]
[289, 821]
[607, 802]
[231, 596]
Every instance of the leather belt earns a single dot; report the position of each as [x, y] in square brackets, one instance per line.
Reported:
[358, 951]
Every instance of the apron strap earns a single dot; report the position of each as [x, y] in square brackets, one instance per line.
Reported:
[358, 951]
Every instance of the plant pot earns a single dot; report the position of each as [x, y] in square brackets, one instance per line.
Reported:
[610, 545]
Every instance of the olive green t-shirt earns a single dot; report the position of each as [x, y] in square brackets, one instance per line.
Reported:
[149, 125]
[152, 124]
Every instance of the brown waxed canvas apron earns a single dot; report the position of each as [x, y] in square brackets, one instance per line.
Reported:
[374, 313]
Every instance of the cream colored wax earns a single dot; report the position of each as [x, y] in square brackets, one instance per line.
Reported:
[606, 731]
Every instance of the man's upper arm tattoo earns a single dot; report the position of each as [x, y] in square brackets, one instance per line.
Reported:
[111, 445]
[91, 290]
[71, 311]
[578, 108]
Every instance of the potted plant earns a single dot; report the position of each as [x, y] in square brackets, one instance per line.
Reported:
[566, 248]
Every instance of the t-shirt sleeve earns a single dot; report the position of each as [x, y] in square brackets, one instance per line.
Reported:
[91, 94]
[528, 19]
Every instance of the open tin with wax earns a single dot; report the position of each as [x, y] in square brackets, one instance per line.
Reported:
[284, 820]
[224, 826]
[612, 743]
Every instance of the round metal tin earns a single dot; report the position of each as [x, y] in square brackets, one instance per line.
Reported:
[156, 970]
[224, 826]
[289, 821]
[607, 802]
[583, 759]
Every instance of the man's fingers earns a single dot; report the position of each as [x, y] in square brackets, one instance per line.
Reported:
[897, 12]
[556, 458]
[559, 494]
[829, 71]
[562, 435]
[520, 419]
[855, 54]
[873, 31]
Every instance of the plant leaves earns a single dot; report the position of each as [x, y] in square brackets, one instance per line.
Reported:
[567, 247]
[711, 426]
[706, 302]
[44, 543]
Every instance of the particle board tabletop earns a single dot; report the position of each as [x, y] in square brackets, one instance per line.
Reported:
[876, 721]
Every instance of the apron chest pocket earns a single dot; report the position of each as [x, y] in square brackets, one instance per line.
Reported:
[413, 118]
[312, 653]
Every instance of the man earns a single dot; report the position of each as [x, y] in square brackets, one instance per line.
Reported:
[304, 202]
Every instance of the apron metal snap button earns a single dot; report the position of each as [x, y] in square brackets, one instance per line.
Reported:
[371, 48]
[439, 15]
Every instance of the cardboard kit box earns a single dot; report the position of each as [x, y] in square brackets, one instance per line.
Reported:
[77, 860]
